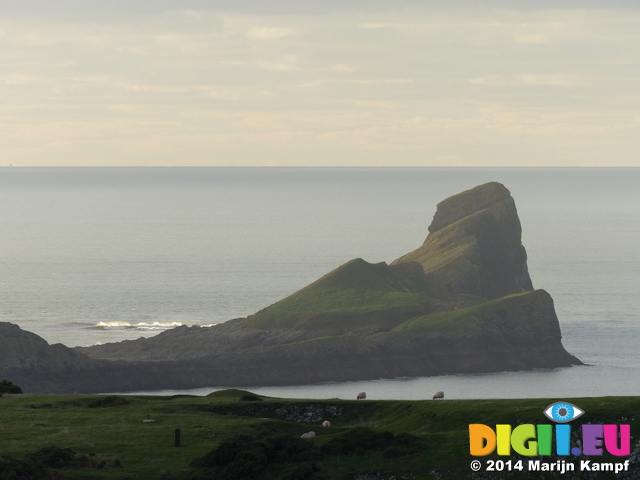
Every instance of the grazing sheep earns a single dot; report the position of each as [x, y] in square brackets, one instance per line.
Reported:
[308, 436]
[439, 396]
[326, 423]
[361, 396]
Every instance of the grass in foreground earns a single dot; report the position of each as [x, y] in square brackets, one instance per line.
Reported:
[236, 434]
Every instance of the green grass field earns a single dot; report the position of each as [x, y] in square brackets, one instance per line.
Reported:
[392, 439]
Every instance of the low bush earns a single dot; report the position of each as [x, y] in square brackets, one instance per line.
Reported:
[248, 457]
[109, 401]
[250, 398]
[34, 466]
[358, 440]
[361, 440]
[9, 387]
[304, 471]
[54, 457]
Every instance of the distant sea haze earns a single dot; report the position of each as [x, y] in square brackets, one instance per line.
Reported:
[96, 255]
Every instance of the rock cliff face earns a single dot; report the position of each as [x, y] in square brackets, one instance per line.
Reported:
[474, 245]
[462, 302]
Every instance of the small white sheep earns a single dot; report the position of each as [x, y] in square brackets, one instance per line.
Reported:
[439, 396]
[326, 423]
[361, 396]
[308, 436]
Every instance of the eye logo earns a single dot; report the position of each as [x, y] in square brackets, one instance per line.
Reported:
[562, 412]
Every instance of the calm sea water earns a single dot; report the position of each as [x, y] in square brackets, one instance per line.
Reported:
[95, 255]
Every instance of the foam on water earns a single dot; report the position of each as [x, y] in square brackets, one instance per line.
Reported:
[145, 327]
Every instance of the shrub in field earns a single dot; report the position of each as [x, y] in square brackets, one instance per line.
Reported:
[358, 440]
[361, 440]
[249, 457]
[54, 457]
[34, 466]
[9, 387]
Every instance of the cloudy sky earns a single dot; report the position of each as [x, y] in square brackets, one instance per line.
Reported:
[357, 83]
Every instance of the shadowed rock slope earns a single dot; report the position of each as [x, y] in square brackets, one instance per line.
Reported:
[462, 302]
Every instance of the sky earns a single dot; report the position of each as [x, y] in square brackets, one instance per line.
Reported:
[307, 83]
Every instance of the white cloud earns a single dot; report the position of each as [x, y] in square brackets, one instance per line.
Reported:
[269, 33]
[91, 78]
[157, 88]
[123, 108]
[191, 15]
[284, 64]
[557, 80]
[17, 79]
[339, 67]
[384, 81]
[376, 26]
[533, 38]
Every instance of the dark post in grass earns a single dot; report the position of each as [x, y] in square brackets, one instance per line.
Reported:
[177, 437]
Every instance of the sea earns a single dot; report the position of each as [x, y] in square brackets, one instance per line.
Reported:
[97, 255]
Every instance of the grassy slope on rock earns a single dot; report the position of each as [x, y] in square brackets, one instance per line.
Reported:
[443, 249]
[458, 320]
[355, 288]
[109, 432]
[450, 322]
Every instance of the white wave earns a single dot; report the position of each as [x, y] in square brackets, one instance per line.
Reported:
[141, 326]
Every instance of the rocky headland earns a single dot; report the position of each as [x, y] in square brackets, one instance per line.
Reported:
[462, 302]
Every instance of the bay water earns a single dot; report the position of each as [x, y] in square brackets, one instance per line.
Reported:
[96, 255]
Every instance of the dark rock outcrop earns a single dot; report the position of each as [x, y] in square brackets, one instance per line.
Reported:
[462, 302]
[27, 359]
